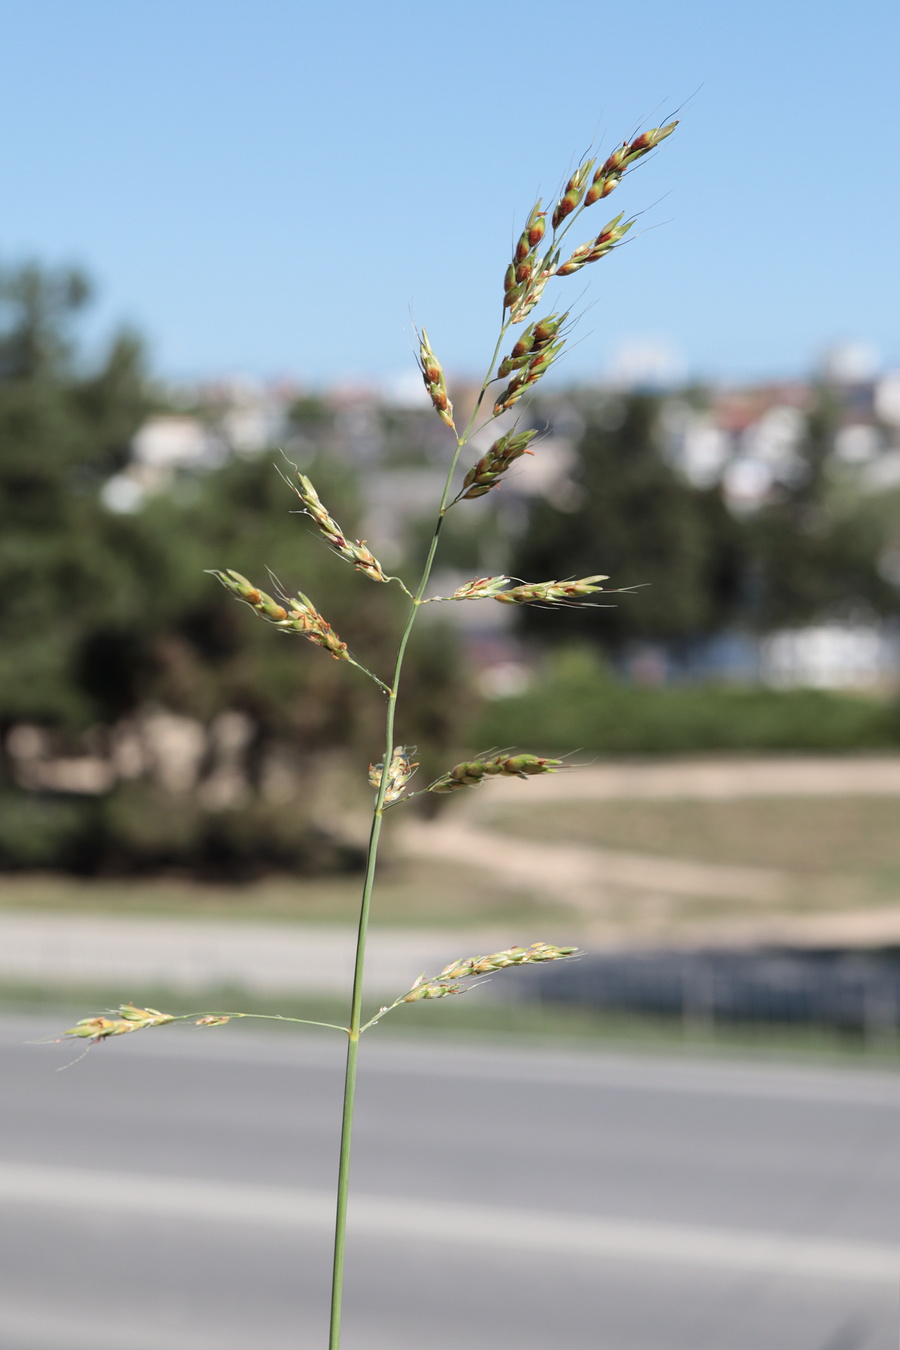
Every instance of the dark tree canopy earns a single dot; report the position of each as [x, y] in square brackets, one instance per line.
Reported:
[638, 521]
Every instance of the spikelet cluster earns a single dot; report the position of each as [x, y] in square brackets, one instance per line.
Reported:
[472, 772]
[130, 1018]
[486, 474]
[610, 172]
[525, 279]
[450, 978]
[526, 593]
[551, 592]
[572, 193]
[433, 375]
[297, 615]
[354, 551]
[479, 588]
[527, 274]
[400, 771]
[531, 357]
[606, 240]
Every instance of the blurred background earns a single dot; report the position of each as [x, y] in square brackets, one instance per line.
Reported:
[219, 228]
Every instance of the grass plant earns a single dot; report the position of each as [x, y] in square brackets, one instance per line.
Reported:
[544, 252]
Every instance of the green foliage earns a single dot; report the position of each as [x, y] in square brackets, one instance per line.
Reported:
[578, 705]
[110, 618]
[814, 549]
[636, 519]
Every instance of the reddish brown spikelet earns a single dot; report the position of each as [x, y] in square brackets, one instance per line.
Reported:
[433, 375]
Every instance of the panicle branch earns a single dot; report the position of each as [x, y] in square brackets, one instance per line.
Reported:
[355, 551]
[298, 615]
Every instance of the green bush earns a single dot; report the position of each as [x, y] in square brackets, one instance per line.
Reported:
[576, 704]
[139, 829]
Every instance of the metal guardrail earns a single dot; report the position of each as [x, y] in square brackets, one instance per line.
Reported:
[847, 991]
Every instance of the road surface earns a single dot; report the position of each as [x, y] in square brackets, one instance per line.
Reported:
[172, 1191]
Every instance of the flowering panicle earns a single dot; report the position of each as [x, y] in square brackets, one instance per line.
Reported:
[297, 615]
[486, 474]
[400, 771]
[449, 980]
[472, 772]
[354, 551]
[130, 1018]
[433, 375]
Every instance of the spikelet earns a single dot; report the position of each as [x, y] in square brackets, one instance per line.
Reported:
[131, 1018]
[479, 588]
[401, 770]
[472, 772]
[574, 191]
[297, 615]
[523, 272]
[433, 375]
[449, 980]
[354, 551]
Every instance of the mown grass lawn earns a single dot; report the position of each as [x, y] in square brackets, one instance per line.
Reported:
[811, 836]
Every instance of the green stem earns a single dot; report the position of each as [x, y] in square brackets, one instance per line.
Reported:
[340, 1227]
[343, 1186]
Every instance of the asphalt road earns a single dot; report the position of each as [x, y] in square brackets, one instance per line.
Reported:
[172, 1191]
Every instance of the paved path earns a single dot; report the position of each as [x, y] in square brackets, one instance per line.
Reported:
[135, 952]
[174, 1191]
[582, 875]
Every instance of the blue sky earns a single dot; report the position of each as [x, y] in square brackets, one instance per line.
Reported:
[271, 187]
